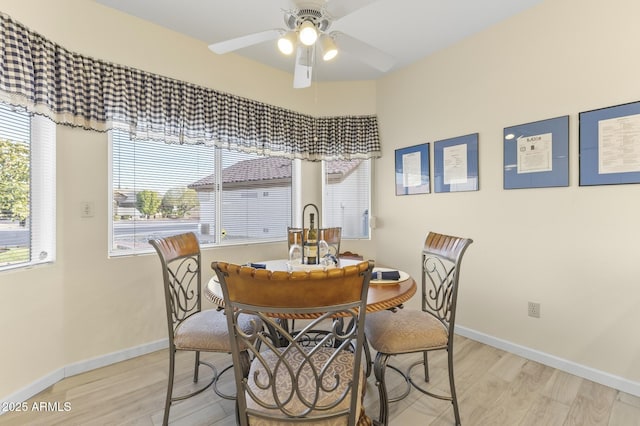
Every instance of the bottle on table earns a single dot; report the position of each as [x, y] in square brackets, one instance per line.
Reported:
[311, 243]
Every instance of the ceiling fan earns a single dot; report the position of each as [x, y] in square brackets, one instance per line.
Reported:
[307, 29]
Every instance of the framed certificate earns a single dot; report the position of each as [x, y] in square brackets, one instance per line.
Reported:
[412, 170]
[456, 164]
[610, 145]
[536, 155]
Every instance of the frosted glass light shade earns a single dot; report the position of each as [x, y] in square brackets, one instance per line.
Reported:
[287, 42]
[328, 48]
[308, 34]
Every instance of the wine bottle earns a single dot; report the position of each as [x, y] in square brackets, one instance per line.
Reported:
[311, 243]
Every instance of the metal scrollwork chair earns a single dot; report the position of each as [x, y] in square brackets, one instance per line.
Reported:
[429, 329]
[190, 327]
[295, 378]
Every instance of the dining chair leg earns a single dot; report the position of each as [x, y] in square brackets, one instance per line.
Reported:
[245, 362]
[367, 357]
[425, 361]
[379, 369]
[196, 368]
[245, 366]
[167, 403]
[452, 387]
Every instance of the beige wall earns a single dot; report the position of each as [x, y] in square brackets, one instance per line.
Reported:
[572, 249]
[86, 305]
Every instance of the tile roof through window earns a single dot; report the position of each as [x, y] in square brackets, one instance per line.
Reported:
[269, 169]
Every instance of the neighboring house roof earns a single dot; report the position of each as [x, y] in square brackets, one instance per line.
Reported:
[124, 196]
[270, 169]
[123, 193]
[340, 169]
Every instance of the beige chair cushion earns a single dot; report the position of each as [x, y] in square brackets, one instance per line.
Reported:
[207, 331]
[342, 366]
[404, 331]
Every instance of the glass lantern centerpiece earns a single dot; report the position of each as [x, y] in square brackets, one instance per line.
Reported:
[307, 248]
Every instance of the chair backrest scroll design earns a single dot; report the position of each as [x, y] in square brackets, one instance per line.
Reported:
[441, 260]
[298, 376]
[181, 267]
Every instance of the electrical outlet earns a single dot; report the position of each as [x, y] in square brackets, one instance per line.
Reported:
[534, 309]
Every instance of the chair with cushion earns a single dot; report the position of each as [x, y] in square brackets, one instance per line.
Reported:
[190, 327]
[298, 376]
[429, 329]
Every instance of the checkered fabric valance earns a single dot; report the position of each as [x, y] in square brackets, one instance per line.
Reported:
[77, 90]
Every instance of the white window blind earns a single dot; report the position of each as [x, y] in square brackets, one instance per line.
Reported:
[27, 189]
[256, 197]
[347, 195]
[225, 197]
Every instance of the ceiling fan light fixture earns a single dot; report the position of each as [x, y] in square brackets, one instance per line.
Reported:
[287, 43]
[308, 33]
[328, 47]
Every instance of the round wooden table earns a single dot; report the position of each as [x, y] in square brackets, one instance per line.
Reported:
[381, 296]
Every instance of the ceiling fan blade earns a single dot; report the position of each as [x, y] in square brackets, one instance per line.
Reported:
[339, 8]
[244, 41]
[303, 67]
[364, 52]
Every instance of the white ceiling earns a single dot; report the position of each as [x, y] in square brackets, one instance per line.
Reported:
[408, 30]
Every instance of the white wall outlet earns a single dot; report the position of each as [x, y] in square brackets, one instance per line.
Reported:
[87, 209]
[534, 309]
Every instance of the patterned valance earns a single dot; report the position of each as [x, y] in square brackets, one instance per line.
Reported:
[77, 90]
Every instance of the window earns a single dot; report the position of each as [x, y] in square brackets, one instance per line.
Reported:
[347, 190]
[225, 197]
[27, 188]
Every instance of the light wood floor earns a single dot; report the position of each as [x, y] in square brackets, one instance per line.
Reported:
[495, 388]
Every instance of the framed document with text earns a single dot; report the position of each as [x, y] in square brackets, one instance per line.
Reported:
[456, 164]
[610, 145]
[536, 155]
[412, 170]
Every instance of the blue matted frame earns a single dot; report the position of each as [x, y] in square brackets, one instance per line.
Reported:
[468, 143]
[555, 130]
[590, 122]
[412, 170]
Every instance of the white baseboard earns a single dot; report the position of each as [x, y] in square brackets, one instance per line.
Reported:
[81, 367]
[589, 373]
[616, 382]
[113, 357]
[31, 389]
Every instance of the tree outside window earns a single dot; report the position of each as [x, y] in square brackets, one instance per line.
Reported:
[14, 181]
